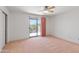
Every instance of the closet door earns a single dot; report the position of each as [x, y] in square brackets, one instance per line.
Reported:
[2, 30]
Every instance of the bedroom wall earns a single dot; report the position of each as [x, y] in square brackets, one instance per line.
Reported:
[18, 25]
[66, 25]
[2, 26]
[48, 25]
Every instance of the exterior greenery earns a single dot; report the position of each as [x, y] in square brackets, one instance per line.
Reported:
[33, 28]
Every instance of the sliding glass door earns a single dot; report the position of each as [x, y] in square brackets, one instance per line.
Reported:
[34, 28]
[39, 27]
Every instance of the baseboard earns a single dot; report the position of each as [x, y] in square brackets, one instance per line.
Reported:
[66, 39]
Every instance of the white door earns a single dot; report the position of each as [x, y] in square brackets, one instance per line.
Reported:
[2, 30]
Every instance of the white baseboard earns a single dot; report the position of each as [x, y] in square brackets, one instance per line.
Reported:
[67, 39]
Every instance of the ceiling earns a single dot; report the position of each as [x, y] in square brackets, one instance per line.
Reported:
[36, 9]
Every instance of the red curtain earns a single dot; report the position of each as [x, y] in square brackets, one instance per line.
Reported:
[43, 26]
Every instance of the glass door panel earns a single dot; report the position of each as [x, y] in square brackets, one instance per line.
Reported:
[39, 27]
[33, 28]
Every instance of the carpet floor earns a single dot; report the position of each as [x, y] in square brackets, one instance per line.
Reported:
[41, 45]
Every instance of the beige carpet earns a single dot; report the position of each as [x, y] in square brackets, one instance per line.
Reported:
[41, 45]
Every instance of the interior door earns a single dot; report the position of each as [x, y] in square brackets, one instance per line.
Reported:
[2, 30]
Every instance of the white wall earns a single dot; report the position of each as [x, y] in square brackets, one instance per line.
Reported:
[48, 25]
[66, 25]
[19, 26]
[2, 26]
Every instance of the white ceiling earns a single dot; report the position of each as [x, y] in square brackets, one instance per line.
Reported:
[36, 9]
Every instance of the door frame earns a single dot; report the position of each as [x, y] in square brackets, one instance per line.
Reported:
[36, 28]
[5, 25]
